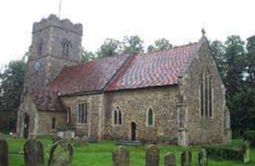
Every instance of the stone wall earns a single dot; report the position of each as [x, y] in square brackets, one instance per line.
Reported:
[134, 105]
[204, 130]
[91, 128]
[40, 122]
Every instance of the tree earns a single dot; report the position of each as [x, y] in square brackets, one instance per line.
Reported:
[250, 61]
[133, 45]
[11, 87]
[218, 51]
[160, 44]
[110, 47]
[87, 56]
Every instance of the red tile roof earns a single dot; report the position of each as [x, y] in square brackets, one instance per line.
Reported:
[156, 69]
[93, 76]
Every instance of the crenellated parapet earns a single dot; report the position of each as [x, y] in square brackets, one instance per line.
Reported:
[53, 20]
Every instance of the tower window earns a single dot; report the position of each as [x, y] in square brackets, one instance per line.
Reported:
[66, 47]
[206, 94]
[40, 49]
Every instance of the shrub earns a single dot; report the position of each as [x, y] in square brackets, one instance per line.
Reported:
[224, 153]
[250, 136]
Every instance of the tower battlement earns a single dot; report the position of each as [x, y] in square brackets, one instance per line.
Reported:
[53, 20]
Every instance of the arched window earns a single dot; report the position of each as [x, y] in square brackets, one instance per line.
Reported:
[68, 116]
[150, 117]
[206, 94]
[66, 47]
[53, 124]
[115, 117]
[40, 48]
[120, 118]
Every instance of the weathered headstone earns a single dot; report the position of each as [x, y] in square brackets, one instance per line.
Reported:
[170, 159]
[202, 158]
[120, 157]
[3, 153]
[152, 156]
[61, 154]
[33, 153]
[55, 138]
[246, 152]
[186, 158]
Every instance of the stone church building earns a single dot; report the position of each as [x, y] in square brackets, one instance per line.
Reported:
[176, 93]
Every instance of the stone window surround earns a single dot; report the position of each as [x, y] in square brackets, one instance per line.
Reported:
[69, 115]
[118, 111]
[212, 96]
[77, 107]
[147, 117]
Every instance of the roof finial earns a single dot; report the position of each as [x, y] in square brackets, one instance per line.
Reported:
[203, 32]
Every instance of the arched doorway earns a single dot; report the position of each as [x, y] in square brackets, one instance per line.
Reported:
[26, 126]
[133, 131]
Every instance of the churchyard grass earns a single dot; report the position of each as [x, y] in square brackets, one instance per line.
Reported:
[100, 154]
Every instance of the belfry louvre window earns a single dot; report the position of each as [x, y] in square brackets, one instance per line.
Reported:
[66, 47]
[206, 94]
[82, 113]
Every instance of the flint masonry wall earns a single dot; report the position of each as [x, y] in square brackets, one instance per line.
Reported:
[134, 105]
[204, 130]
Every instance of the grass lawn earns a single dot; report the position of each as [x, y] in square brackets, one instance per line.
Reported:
[100, 154]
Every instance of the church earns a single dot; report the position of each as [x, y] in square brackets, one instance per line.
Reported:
[176, 93]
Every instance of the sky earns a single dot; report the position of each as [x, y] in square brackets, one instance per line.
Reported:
[179, 21]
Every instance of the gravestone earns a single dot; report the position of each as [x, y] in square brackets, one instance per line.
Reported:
[246, 152]
[120, 157]
[56, 138]
[202, 158]
[33, 153]
[186, 158]
[3, 153]
[61, 154]
[170, 159]
[152, 156]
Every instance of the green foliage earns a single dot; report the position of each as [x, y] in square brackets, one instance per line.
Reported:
[224, 153]
[111, 47]
[11, 87]
[87, 56]
[250, 137]
[160, 44]
[133, 45]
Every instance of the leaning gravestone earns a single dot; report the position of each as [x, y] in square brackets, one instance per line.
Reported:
[33, 153]
[202, 158]
[3, 153]
[120, 157]
[246, 152]
[152, 156]
[186, 158]
[61, 154]
[170, 159]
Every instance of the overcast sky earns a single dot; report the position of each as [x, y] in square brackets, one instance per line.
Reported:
[180, 21]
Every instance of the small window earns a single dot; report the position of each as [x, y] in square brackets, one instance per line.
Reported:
[120, 118]
[82, 113]
[115, 117]
[150, 117]
[66, 47]
[68, 116]
[40, 48]
[53, 124]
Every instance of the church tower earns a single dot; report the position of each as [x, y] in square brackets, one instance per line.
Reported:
[55, 44]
